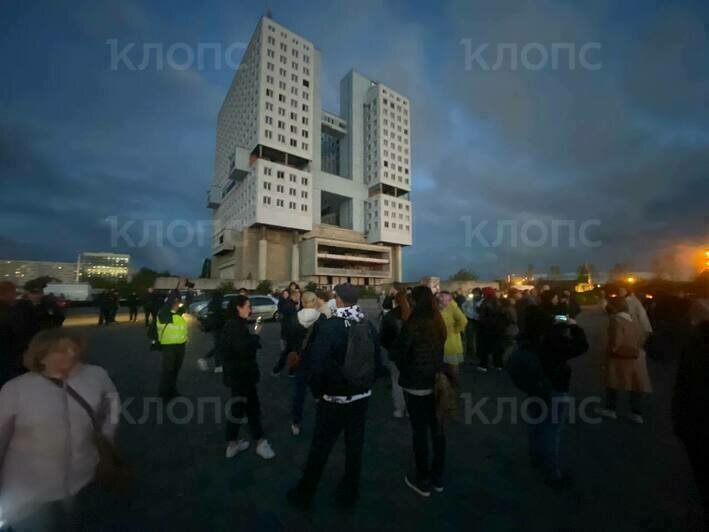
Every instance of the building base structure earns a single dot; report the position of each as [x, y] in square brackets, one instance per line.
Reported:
[327, 255]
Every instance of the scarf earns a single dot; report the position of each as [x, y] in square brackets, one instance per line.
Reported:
[353, 313]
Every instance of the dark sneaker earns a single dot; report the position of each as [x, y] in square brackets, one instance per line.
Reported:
[437, 486]
[422, 488]
[298, 499]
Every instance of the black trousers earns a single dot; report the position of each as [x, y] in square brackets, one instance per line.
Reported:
[245, 407]
[425, 424]
[699, 460]
[490, 344]
[133, 313]
[331, 419]
[471, 338]
[172, 357]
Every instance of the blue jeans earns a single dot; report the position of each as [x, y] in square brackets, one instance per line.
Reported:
[545, 426]
[300, 390]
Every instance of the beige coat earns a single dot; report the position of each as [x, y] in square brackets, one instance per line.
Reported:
[625, 357]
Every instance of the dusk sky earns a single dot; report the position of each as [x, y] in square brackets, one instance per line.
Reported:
[625, 143]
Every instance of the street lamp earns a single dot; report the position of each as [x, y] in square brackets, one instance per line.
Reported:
[630, 280]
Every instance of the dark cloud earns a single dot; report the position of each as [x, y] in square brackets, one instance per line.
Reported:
[626, 144]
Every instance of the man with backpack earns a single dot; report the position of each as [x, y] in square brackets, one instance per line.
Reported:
[344, 362]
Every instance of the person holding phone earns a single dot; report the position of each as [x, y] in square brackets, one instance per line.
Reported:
[238, 344]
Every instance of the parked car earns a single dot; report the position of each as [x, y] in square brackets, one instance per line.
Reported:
[263, 306]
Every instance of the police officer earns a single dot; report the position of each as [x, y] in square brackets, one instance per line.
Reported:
[171, 330]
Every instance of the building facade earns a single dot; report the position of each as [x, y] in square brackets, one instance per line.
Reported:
[302, 193]
[103, 265]
[21, 271]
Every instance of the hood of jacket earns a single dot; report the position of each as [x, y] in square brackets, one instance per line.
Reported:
[308, 316]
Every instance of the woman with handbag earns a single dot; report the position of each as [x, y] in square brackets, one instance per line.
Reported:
[57, 424]
[626, 364]
[302, 338]
[418, 353]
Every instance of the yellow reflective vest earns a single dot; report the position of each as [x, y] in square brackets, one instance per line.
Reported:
[172, 333]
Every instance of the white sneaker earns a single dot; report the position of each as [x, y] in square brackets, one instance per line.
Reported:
[398, 414]
[218, 369]
[235, 447]
[263, 449]
[202, 364]
[295, 429]
[636, 418]
[606, 412]
[482, 369]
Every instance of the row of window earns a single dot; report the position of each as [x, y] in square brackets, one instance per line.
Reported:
[280, 174]
[281, 203]
[284, 61]
[293, 115]
[282, 97]
[281, 189]
[282, 139]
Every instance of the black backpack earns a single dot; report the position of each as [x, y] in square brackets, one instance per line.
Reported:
[359, 366]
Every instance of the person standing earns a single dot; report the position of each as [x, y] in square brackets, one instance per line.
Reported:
[690, 402]
[171, 330]
[419, 354]
[47, 439]
[553, 343]
[309, 318]
[626, 364]
[392, 323]
[10, 356]
[492, 331]
[470, 309]
[150, 306]
[455, 322]
[345, 360]
[215, 324]
[132, 302]
[288, 309]
[637, 312]
[239, 342]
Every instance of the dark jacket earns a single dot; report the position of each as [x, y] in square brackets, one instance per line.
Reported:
[10, 356]
[238, 347]
[418, 355]
[560, 344]
[390, 328]
[690, 402]
[289, 317]
[491, 318]
[327, 357]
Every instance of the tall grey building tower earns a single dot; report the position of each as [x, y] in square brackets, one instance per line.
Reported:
[302, 193]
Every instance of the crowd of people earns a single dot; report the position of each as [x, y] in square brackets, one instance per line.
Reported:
[331, 349]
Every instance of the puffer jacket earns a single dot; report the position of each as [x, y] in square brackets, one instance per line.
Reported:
[419, 356]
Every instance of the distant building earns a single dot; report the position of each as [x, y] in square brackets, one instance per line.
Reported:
[103, 265]
[21, 271]
[302, 193]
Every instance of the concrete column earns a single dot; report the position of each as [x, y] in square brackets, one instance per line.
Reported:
[262, 255]
[397, 272]
[295, 259]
